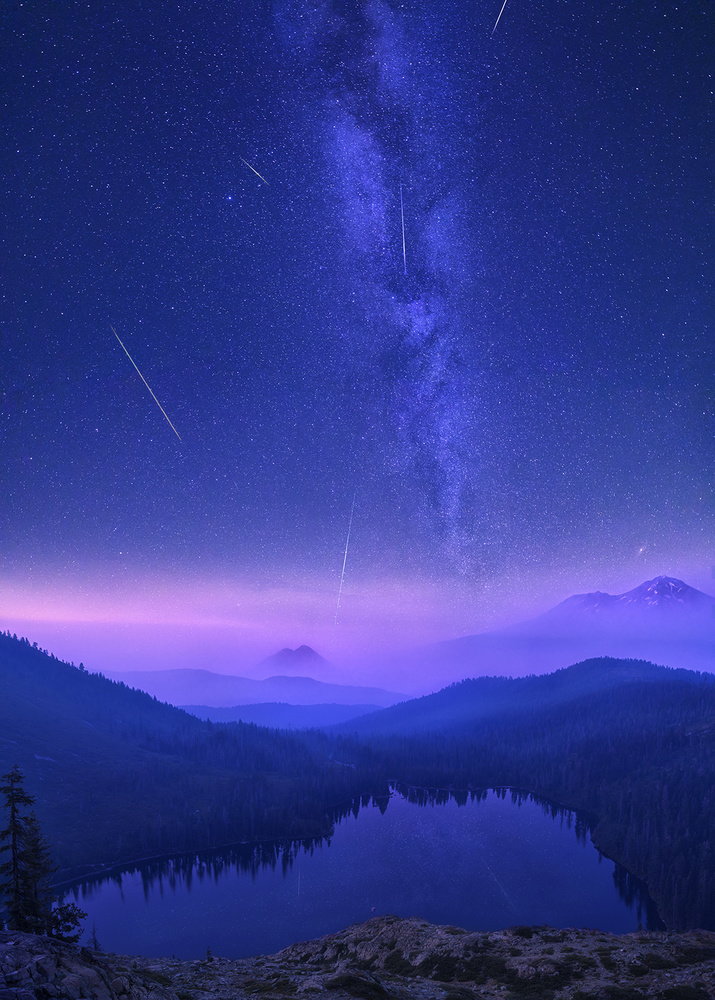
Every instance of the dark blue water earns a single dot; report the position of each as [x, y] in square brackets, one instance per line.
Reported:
[483, 865]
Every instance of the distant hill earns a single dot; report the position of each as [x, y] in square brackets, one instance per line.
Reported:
[455, 709]
[280, 716]
[202, 687]
[302, 662]
[663, 620]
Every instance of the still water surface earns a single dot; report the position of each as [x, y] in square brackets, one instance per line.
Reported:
[482, 865]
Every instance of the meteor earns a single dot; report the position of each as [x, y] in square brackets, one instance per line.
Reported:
[145, 383]
[402, 213]
[255, 171]
[499, 18]
[506, 894]
[342, 575]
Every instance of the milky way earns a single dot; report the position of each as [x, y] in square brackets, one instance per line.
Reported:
[357, 73]
[525, 413]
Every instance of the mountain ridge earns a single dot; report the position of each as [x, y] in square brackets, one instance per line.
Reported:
[186, 686]
[457, 706]
[662, 596]
[662, 620]
[287, 661]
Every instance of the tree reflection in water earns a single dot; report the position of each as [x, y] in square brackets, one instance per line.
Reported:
[177, 875]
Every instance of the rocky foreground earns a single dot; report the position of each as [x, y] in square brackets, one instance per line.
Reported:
[383, 958]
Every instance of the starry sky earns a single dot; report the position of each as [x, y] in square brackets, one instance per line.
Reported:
[507, 401]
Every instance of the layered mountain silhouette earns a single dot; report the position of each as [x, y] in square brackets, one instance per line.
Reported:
[663, 620]
[119, 776]
[458, 707]
[204, 688]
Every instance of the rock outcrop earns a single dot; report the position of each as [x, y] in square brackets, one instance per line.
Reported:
[384, 958]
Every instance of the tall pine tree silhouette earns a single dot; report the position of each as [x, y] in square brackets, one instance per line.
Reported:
[25, 876]
[13, 885]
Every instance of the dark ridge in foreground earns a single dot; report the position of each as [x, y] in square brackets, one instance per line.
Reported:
[457, 708]
[383, 958]
[118, 776]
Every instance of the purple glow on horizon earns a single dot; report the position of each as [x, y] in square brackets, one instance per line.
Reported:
[229, 627]
[522, 416]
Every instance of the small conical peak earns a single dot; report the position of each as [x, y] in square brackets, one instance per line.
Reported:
[299, 652]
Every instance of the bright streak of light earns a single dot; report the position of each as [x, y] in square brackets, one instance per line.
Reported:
[255, 171]
[342, 575]
[146, 383]
[402, 213]
[499, 18]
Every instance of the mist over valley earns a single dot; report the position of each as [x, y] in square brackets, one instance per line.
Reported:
[120, 775]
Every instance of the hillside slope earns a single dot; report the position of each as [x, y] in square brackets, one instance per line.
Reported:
[278, 715]
[458, 707]
[118, 775]
[202, 687]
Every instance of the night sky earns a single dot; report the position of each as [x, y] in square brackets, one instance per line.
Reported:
[526, 413]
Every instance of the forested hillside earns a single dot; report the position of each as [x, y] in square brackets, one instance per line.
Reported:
[119, 776]
[456, 708]
[639, 756]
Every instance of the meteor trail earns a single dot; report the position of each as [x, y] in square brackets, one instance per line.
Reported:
[402, 213]
[506, 894]
[499, 18]
[342, 575]
[145, 383]
[255, 171]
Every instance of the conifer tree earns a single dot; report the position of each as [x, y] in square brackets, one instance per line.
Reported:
[12, 884]
[25, 876]
[37, 871]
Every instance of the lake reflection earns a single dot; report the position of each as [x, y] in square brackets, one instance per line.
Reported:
[489, 861]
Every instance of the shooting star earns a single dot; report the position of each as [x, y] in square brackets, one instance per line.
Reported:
[145, 383]
[255, 171]
[402, 213]
[342, 575]
[506, 894]
[499, 18]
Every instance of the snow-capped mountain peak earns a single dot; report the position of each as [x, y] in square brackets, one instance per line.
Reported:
[663, 601]
[664, 591]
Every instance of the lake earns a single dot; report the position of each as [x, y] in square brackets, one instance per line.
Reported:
[493, 861]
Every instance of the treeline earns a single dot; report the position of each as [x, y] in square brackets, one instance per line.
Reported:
[119, 776]
[27, 902]
[245, 857]
[639, 758]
